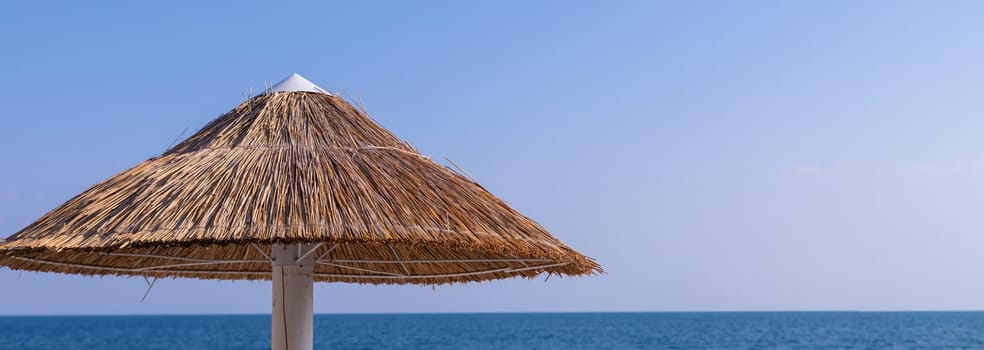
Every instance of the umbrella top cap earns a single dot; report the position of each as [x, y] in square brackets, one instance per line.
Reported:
[295, 82]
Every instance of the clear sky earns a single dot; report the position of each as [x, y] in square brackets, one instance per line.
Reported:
[783, 155]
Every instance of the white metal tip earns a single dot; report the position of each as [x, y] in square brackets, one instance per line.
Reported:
[295, 82]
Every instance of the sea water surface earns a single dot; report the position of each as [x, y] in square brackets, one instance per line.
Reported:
[710, 330]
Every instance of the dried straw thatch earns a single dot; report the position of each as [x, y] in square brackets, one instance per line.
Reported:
[300, 168]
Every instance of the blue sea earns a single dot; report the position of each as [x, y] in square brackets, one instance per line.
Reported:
[726, 330]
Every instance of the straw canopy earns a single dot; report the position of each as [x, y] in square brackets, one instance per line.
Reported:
[298, 168]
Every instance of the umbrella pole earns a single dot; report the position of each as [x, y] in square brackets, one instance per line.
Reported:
[293, 297]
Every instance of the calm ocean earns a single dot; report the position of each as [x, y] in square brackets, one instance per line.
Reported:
[738, 330]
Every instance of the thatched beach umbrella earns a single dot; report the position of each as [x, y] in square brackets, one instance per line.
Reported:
[294, 185]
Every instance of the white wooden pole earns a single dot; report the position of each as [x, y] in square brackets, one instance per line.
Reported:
[293, 297]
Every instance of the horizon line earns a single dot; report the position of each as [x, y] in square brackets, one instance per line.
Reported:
[512, 313]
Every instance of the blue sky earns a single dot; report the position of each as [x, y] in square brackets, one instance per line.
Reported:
[711, 155]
